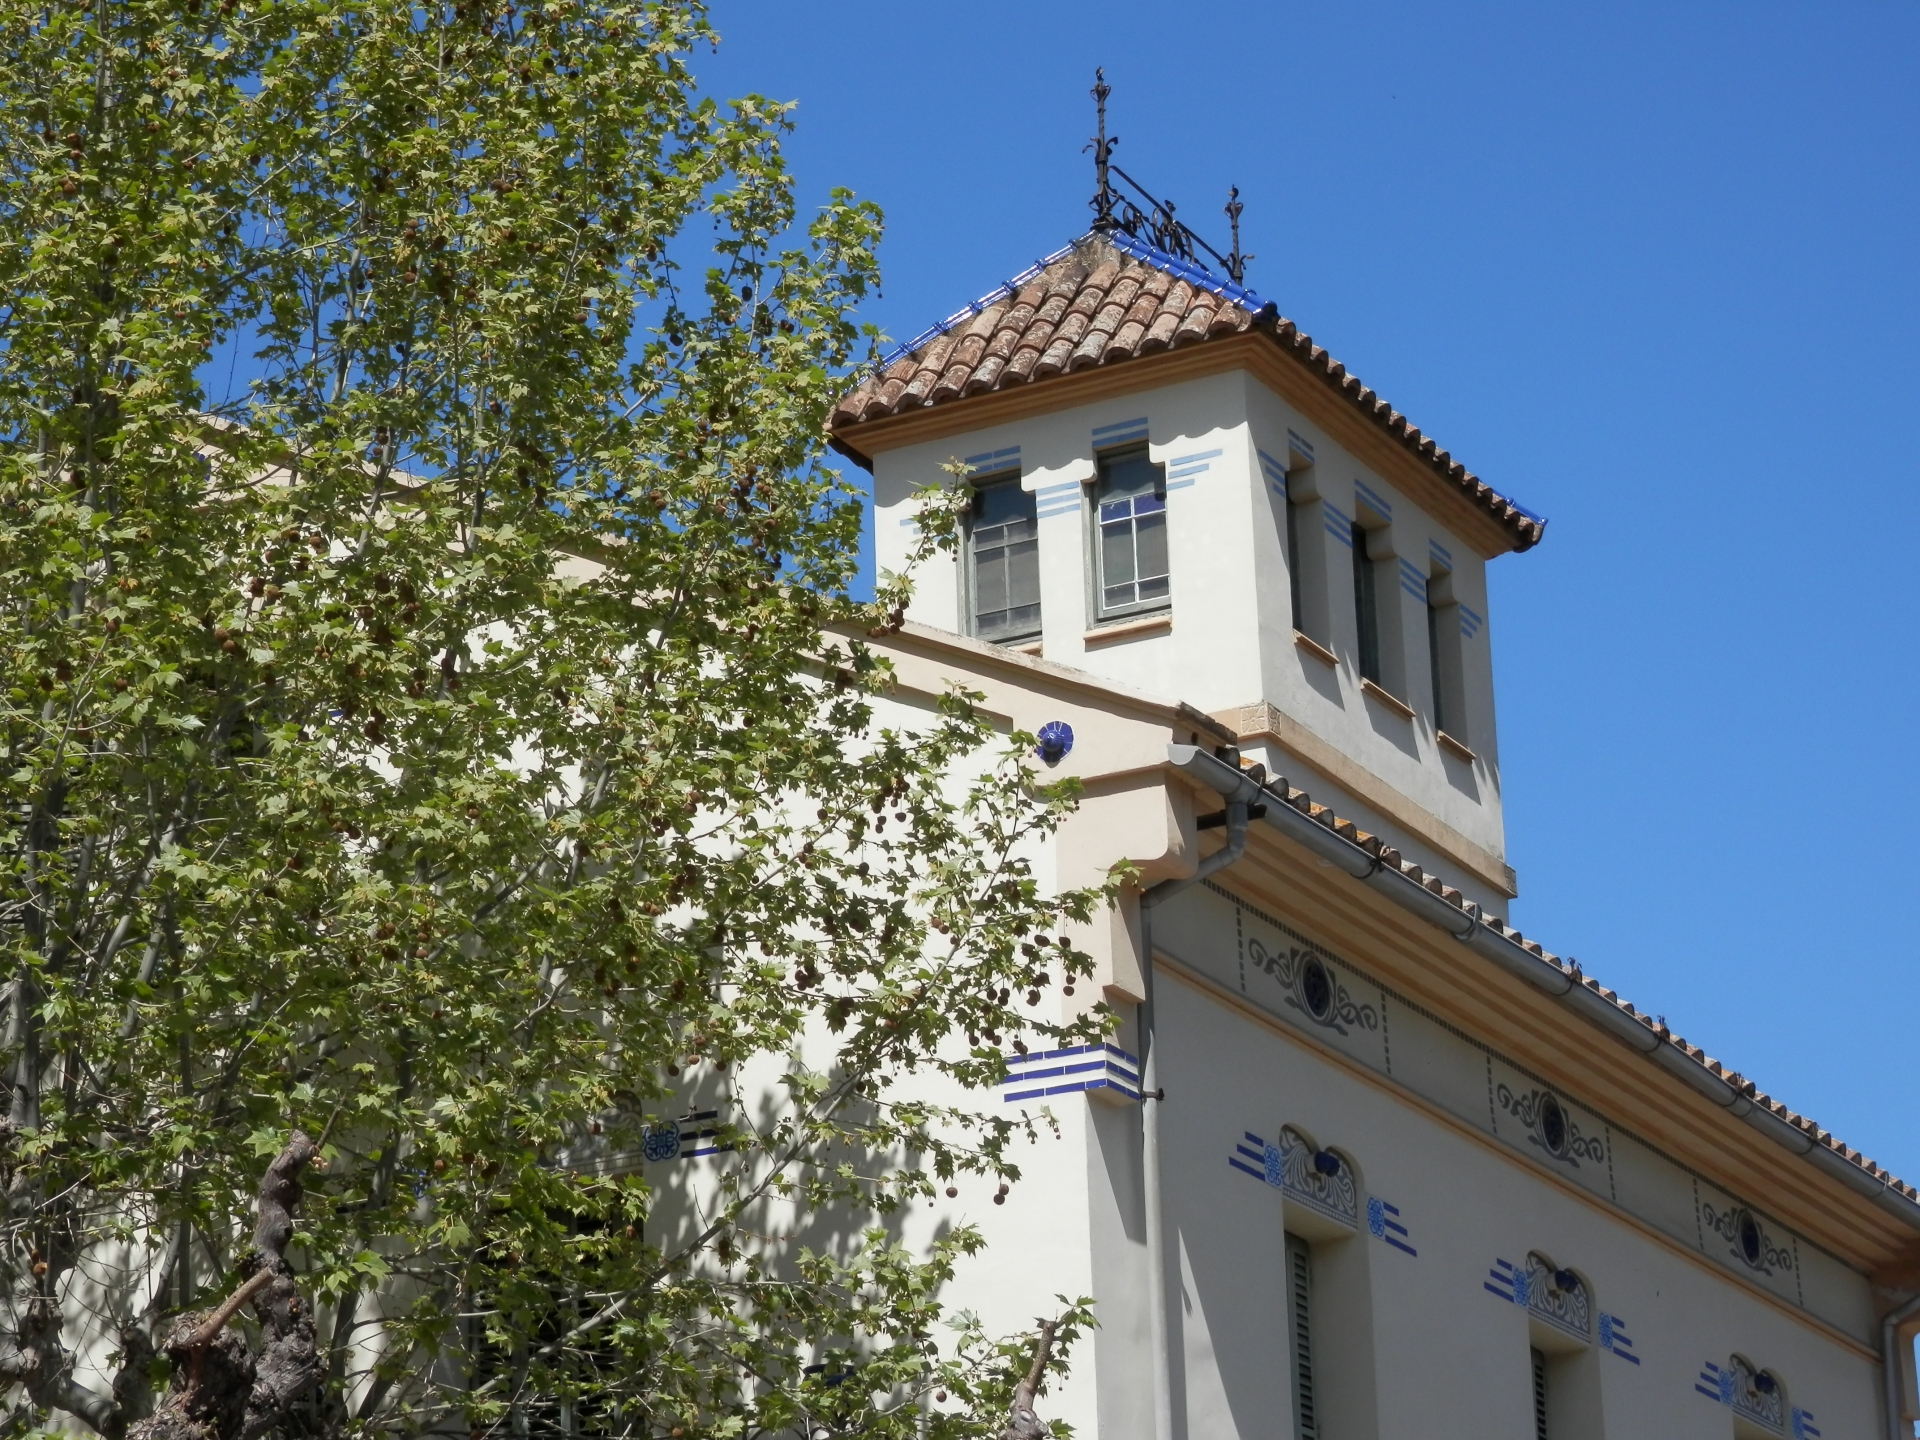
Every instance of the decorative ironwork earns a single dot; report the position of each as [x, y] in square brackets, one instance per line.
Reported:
[1314, 989]
[1556, 1297]
[1747, 1239]
[1550, 1126]
[1156, 223]
[1306, 1178]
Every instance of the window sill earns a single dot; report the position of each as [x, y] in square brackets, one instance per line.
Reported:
[1130, 629]
[1447, 742]
[1387, 698]
[1025, 647]
[1314, 648]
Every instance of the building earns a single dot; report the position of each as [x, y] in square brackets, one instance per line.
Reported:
[1408, 1173]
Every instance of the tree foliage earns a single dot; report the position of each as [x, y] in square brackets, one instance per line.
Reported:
[458, 742]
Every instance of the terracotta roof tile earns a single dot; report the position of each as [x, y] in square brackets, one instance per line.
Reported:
[1108, 298]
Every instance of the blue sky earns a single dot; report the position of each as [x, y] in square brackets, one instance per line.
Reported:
[1649, 269]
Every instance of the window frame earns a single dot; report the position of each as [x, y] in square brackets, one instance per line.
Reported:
[1368, 653]
[1097, 587]
[969, 560]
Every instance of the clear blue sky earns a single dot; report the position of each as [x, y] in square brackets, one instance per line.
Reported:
[1649, 269]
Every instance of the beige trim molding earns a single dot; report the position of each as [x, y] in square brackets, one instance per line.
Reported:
[1314, 648]
[1386, 697]
[1458, 747]
[1260, 721]
[1159, 624]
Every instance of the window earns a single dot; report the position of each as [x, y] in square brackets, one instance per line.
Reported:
[1004, 561]
[1293, 564]
[1306, 1413]
[1445, 658]
[1539, 1393]
[1366, 606]
[1130, 512]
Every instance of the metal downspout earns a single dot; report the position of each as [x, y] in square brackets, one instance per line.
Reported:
[1894, 1364]
[1150, 1096]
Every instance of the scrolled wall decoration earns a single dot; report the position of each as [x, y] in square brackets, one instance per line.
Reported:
[1565, 1307]
[1314, 988]
[1551, 1127]
[1757, 1395]
[1328, 1189]
[1747, 1239]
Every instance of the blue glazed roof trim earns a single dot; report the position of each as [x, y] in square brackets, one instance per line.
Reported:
[994, 296]
[1196, 275]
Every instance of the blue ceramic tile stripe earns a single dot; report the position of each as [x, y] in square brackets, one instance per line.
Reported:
[1440, 553]
[1275, 472]
[1373, 502]
[1099, 1066]
[1614, 1338]
[1123, 432]
[1383, 1223]
[991, 462]
[1339, 523]
[1470, 623]
[1412, 581]
[1302, 444]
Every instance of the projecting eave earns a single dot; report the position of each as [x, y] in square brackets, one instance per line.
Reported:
[1109, 315]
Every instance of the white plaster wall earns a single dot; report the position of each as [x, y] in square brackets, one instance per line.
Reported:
[1451, 1357]
[1231, 642]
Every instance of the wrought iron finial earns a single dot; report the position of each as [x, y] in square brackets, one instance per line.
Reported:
[1144, 216]
[1236, 262]
[1102, 147]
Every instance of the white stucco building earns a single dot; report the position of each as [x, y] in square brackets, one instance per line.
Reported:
[1410, 1175]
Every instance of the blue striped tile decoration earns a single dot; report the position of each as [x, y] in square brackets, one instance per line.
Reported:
[1179, 484]
[1441, 555]
[1803, 1428]
[1122, 432]
[1372, 501]
[1077, 1068]
[1060, 499]
[1506, 1282]
[1339, 523]
[1412, 581]
[1275, 472]
[1383, 1223]
[1300, 444]
[1614, 1338]
[1714, 1383]
[680, 1139]
[1470, 623]
[1250, 1156]
[1191, 464]
[992, 462]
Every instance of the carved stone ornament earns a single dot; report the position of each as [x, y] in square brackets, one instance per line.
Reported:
[1323, 1186]
[1756, 1395]
[1314, 988]
[1551, 1127]
[1549, 1299]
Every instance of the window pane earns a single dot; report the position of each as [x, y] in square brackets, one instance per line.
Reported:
[1127, 474]
[1150, 545]
[1023, 575]
[1006, 562]
[1116, 553]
